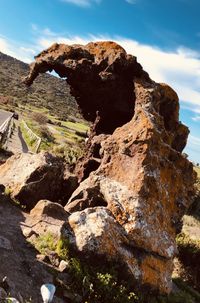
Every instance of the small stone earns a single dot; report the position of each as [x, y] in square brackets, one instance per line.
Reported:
[54, 259]
[27, 232]
[32, 238]
[63, 265]
[42, 258]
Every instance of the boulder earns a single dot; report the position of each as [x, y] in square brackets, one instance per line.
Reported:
[45, 217]
[32, 177]
[136, 183]
[146, 184]
[97, 232]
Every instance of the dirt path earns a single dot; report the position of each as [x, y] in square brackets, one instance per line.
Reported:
[16, 143]
[25, 274]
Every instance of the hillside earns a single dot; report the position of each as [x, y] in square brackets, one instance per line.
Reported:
[47, 92]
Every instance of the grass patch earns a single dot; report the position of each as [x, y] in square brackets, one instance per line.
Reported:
[69, 152]
[31, 142]
[77, 126]
[45, 243]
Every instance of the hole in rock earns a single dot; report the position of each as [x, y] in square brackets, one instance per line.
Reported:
[96, 150]
[92, 165]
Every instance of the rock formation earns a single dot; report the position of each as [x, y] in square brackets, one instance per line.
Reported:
[136, 184]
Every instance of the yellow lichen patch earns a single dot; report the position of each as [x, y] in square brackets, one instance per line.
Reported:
[104, 48]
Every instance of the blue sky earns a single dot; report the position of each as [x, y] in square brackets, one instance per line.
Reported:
[164, 35]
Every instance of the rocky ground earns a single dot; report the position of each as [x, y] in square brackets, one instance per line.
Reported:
[25, 273]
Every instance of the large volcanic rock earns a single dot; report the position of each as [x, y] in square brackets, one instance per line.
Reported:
[101, 78]
[136, 183]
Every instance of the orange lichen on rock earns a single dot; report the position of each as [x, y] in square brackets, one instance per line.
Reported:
[136, 184]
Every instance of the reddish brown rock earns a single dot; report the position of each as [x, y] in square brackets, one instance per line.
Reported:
[139, 185]
[101, 78]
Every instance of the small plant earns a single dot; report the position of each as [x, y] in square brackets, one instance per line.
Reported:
[45, 243]
[8, 191]
[71, 153]
[62, 248]
[40, 118]
[46, 134]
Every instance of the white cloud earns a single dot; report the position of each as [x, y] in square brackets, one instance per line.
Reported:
[131, 1]
[179, 68]
[14, 49]
[82, 3]
[4, 48]
[196, 118]
[193, 140]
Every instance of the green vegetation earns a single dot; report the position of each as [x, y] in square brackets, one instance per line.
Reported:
[7, 191]
[78, 126]
[47, 107]
[188, 242]
[98, 282]
[45, 243]
[69, 152]
[31, 142]
[49, 92]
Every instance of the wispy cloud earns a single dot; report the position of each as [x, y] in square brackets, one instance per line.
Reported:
[82, 3]
[17, 50]
[131, 1]
[196, 118]
[193, 140]
[180, 68]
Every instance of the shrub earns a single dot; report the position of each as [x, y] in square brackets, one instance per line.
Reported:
[40, 118]
[46, 134]
[71, 153]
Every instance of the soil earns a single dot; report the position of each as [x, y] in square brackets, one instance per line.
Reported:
[25, 274]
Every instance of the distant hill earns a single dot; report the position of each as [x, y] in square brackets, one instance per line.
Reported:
[47, 91]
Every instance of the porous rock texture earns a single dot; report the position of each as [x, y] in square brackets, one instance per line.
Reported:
[136, 184]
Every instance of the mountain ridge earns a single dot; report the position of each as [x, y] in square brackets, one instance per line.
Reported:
[49, 91]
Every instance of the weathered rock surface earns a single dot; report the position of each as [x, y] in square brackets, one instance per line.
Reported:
[31, 178]
[45, 217]
[139, 185]
[101, 76]
[147, 185]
